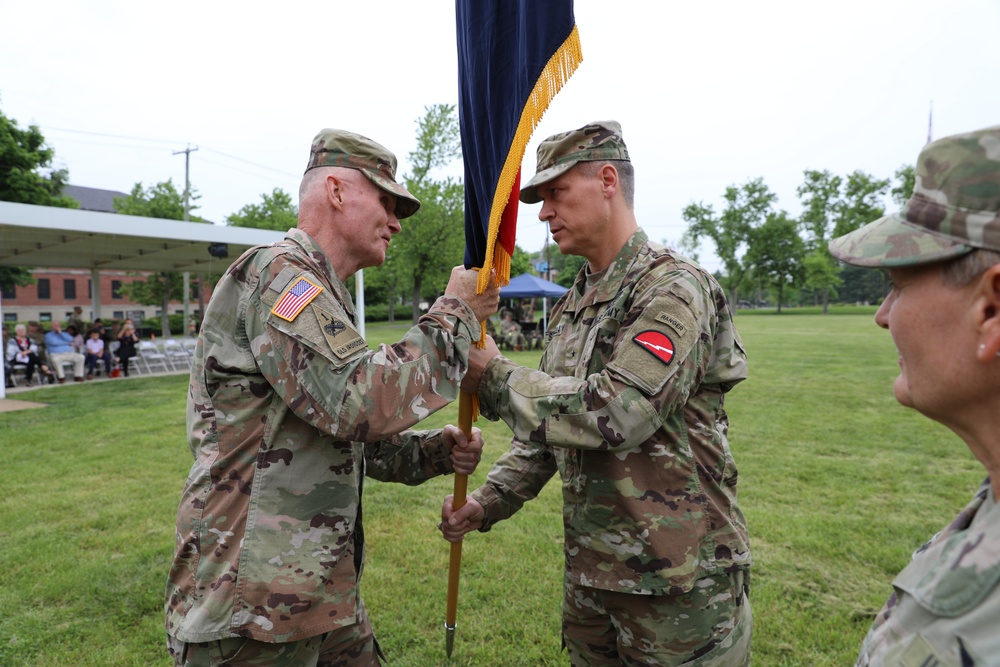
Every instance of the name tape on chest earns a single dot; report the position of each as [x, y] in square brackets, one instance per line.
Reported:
[299, 295]
[340, 335]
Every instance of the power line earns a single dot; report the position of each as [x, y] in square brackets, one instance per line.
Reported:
[113, 136]
[233, 157]
[164, 141]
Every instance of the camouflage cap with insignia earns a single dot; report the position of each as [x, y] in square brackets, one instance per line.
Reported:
[340, 148]
[955, 208]
[600, 140]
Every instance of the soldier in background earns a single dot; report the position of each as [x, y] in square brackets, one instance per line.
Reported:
[628, 408]
[289, 410]
[76, 320]
[942, 253]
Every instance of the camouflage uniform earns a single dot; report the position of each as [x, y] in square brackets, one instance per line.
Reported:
[288, 410]
[628, 407]
[945, 606]
[946, 603]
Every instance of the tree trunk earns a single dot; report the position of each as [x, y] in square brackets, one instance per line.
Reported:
[391, 315]
[826, 299]
[781, 288]
[416, 297]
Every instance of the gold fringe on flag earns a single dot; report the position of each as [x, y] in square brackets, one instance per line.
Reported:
[557, 71]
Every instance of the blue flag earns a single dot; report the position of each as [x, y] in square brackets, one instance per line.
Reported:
[513, 57]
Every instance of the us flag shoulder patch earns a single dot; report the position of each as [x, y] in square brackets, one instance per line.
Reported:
[656, 343]
[295, 298]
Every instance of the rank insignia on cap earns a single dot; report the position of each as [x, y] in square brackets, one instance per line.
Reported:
[657, 344]
[295, 298]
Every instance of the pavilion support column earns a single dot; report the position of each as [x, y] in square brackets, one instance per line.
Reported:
[187, 301]
[3, 378]
[95, 294]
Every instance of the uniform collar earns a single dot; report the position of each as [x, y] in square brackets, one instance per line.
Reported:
[615, 275]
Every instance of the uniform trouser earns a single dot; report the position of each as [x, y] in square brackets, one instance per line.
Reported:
[350, 646]
[59, 358]
[710, 626]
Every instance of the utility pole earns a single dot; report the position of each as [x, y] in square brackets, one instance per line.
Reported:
[187, 178]
[187, 207]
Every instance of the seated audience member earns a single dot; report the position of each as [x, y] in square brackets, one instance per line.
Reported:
[59, 344]
[105, 332]
[128, 340]
[36, 332]
[77, 344]
[23, 350]
[95, 351]
[512, 335]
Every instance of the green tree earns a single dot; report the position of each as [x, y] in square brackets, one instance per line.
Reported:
[906, 178]
[822, 275]
[28, 177]
[833, 206]
[775, 253]
[568, 266]
[861, 202]
[520, 262]
[158, 289]
[276, 211]
[746, 208]
[820, 197]
[431, 241]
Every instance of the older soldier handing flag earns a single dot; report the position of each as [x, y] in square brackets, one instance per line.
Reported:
[288, 412]
[513, 57]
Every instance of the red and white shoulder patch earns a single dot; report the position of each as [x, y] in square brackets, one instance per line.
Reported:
[656, 343]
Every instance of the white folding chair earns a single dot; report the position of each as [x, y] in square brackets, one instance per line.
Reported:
[177, 356]
[152, 357]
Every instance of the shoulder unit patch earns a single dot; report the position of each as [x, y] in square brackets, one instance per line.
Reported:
[656, 343]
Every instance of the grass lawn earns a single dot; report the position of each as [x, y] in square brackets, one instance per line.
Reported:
[839, 485]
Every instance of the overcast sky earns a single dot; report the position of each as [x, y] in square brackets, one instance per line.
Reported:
[708, 94]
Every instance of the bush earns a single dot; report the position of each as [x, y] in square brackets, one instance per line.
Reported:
[176, 323]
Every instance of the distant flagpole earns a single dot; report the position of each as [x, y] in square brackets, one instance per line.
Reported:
[513, 57]
[930, 123]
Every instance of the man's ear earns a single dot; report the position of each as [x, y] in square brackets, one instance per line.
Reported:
[333, 185]
[609, 180]
[987, 306]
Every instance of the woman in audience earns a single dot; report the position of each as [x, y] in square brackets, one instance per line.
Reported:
[22, 350]
[128, 340]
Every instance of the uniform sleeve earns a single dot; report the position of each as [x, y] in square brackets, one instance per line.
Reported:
[516, 477]
[659, 351]
[410, 457]
[309, 352]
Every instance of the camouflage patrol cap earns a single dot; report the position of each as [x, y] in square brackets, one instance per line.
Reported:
[955, 208]
[340, 148]
[597, 141]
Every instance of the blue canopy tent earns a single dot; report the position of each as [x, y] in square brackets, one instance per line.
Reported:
[527, 286]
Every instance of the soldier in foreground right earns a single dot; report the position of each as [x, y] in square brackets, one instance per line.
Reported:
[942, 253]
[629, 408]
